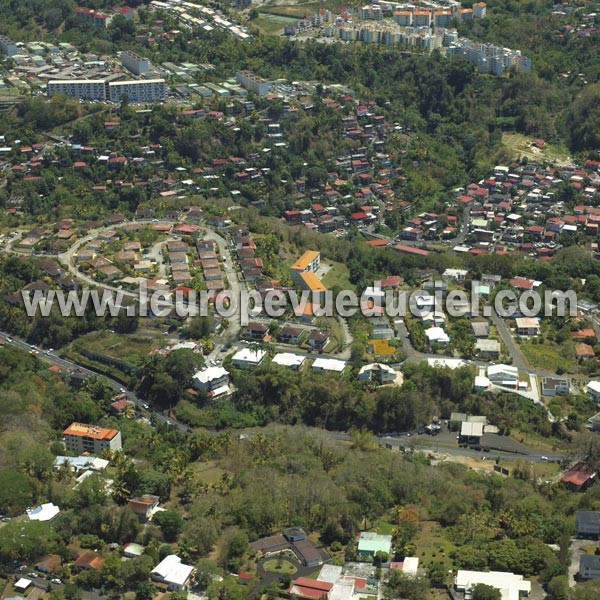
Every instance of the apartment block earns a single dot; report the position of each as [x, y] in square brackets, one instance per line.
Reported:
[249, 81]
[81, 438]
[135, 63]
[309, 262]
[149, 90]
[8, 47]
[85, 89]
[93, 17]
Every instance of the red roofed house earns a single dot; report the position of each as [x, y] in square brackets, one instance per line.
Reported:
[304, 587]
[522, 283]
[579, 477]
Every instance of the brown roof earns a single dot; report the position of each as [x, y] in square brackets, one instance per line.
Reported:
[89, 560]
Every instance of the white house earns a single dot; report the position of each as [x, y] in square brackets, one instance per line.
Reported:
[593, 390]
[289, 359]
[481, 383]
[22, 584]
[511, 586]
[331, 365]
[43, 512]
[410, 566]
[505, 375]
[172, 572]
[248, 358]
[454, 274]
[437, 336]
[213, 380]
[377, 372]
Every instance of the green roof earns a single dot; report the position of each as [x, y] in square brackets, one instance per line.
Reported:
[373, 542]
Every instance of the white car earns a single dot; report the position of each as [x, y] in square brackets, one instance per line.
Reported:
[56, 581]
[544, 458]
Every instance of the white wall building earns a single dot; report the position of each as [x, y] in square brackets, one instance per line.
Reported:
[511, 586]
[248, 358]
[331, 365]
[213, 380]
[290, 360]
[134, 62]
[172, 572]
[149, 90]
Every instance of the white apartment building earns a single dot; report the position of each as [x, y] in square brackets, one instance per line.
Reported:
[85, 89]
[135, 63]
[251, 82]
[149, 90]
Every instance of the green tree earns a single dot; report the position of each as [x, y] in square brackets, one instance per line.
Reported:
[481, 591]
[170, 524]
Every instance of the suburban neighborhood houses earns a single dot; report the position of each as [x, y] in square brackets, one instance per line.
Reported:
[299, 301]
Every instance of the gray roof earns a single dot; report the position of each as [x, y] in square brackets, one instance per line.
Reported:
[588, 518]
[589, 561]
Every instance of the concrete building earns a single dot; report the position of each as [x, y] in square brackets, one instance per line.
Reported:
[135, 63]
[290, 360]
[84, 89]
[8, 47]
[369, 543]
[377, 372]
[309, 262]
[149, 90]
[172, 573]
[593, 390]
[511, 586]
[505, 375]
[80, 438]
[248, 358]
[43, 512]
[554, 386]
[212, 380]
[251, 82]
[331, 365]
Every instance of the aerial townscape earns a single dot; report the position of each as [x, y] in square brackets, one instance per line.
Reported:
[194, 195]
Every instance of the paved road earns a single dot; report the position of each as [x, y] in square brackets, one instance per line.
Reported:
[54, 359]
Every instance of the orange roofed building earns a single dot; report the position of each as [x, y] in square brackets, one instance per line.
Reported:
[81, 438]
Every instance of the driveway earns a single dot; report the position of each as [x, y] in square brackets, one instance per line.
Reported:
[577, 549]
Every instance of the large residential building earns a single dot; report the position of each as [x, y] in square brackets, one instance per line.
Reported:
[251, 82]
[150, 90]
[93, 17]
[84, 89]
[81, 438]
[8, 47]
[511, 586]
[135, 63]
[309, 262]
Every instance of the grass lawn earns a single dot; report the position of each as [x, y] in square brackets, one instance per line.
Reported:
[384, 527]
[208, 472]
[432, 547]
[268, 26]
[520, 145]
[550, 356]
[131, 348]
[338, 275]
[279, 566]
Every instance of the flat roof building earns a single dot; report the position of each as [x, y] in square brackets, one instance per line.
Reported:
[135, 63]
[511, 586]
[81, 438]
